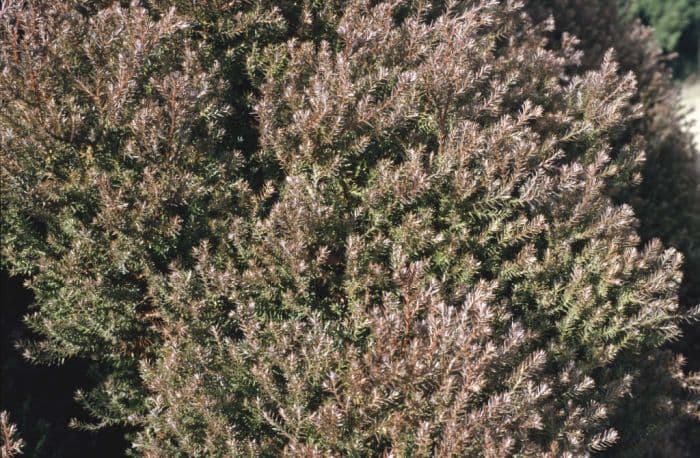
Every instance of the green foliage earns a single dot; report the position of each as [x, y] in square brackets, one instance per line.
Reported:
[124, 131]
[668, 200]
[348, 228]
[670, 18]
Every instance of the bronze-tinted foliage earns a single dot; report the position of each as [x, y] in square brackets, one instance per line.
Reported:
[110, 138]
[120, 135]
[441, 273]
[667, 202]
[11, 445]
[418, 253]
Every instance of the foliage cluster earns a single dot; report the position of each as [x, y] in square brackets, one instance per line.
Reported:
[668, 201]
[355, 228]
[11, 445]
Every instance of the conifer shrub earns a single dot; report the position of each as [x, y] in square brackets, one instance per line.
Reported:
[122, 136]
[667, 203]
[352, 229]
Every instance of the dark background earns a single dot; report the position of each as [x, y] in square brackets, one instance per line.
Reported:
[40, 399]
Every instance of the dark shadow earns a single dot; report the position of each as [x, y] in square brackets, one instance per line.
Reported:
[40, 399]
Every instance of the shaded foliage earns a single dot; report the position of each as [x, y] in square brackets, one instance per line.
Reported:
[41, 398]
[668, 200]
[676, 25]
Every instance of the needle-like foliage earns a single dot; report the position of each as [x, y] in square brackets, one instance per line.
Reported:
[11, 445]
[423, 250]
[667, 202]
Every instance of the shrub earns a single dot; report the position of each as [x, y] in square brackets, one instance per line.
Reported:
[439, 273]
[120, 136]
[418, 253]
[667, 202]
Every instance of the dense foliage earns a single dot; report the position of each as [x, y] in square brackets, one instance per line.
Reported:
[668, 201]
[307, 227]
